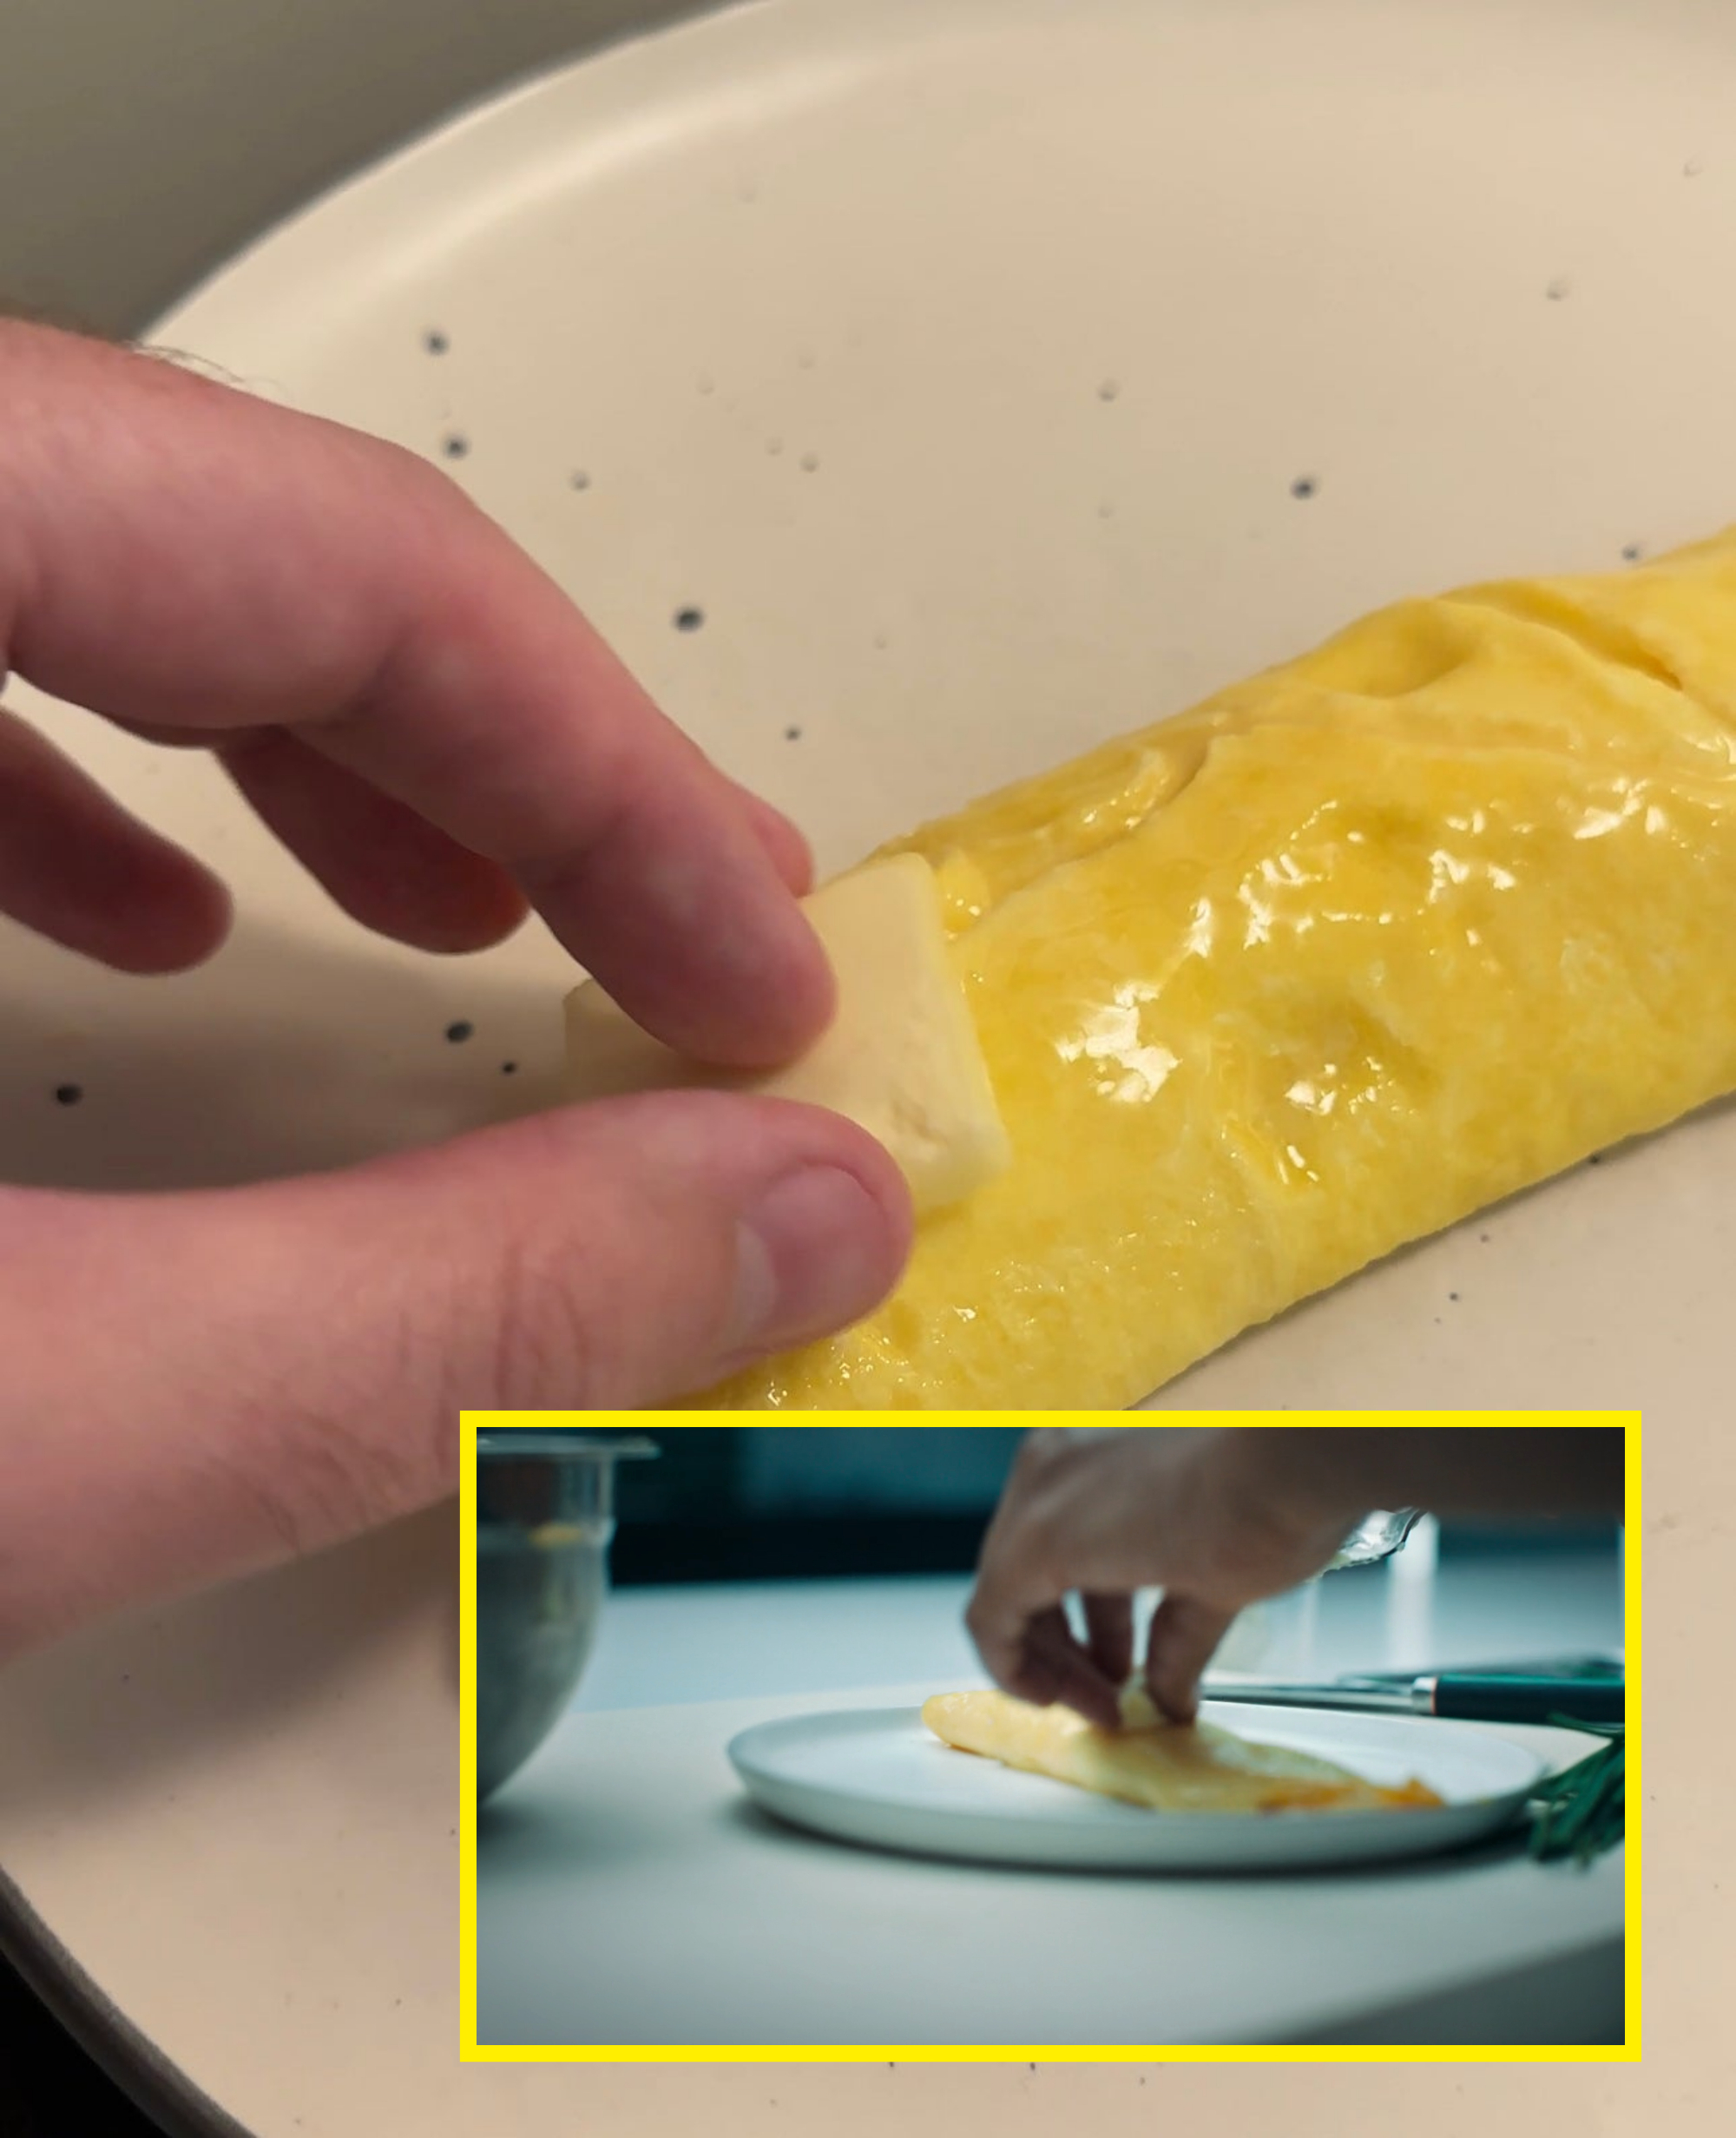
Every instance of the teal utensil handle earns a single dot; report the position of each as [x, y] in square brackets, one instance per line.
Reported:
[1466, 1699]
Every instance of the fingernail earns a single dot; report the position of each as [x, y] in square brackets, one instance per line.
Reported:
[815, 1254]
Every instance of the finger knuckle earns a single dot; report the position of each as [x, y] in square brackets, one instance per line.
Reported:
[545, 1342]
[1041, 1556]
[310, 1476]
[1042, 1452]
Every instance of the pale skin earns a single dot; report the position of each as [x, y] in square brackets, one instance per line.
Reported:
[196, 1384]
[1221, 1519]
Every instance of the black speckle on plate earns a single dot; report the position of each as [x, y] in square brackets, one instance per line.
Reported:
[460, 1030]
[68, 1095]
[1632, 552]
[689, 619]
[435, 342]
[455, 445]
[580, 479]
[1303, 487]
[793, 734]
[508, 1069]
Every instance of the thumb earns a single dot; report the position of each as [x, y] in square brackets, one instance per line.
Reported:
[240, 1374]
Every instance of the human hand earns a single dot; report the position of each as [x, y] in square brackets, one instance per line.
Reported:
[1219, 1520]
[197, 1383]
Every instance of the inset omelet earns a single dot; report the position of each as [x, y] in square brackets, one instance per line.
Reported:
[1155, 1763]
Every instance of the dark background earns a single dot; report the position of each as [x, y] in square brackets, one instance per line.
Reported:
[760, 1504]
[795, 1502]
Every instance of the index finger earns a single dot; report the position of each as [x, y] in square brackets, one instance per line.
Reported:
[178, 553]
[1017, 1619]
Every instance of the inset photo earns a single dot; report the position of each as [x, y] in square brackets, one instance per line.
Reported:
[1210, 1735]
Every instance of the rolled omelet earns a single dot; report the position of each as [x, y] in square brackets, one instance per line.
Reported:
[1276, 987]
[1155, 1763]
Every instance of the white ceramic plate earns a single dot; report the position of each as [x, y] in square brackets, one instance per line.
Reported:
[880, 1776]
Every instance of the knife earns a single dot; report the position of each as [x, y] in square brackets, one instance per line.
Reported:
[1463, 1696]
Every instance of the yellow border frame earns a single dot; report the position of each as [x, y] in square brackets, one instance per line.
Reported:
[472, 2051]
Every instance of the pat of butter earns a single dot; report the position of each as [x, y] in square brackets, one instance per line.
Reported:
[901, 1057]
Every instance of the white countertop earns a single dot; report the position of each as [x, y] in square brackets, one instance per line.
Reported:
[628, 1894]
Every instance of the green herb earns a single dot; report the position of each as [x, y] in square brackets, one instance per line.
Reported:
[1583, 1813]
